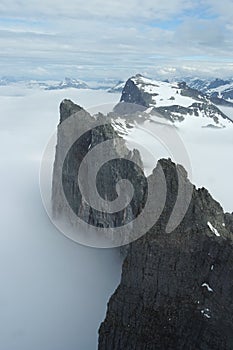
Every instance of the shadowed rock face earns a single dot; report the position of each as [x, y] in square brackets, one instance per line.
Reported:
[124, 164]
[131, 94]
[67, 108]
[176, 290]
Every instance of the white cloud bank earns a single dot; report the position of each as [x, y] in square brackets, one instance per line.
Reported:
[54, 292]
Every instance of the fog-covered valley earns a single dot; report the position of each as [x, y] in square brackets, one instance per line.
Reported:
[52, 289]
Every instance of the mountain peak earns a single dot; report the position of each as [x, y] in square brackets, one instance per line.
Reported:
[176, 289]
[68, 83]
[67, 108]
[173, 101]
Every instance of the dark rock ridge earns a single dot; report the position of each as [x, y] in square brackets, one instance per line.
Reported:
[68, 108]
[175, 112]
[124, 165]
[176, 290]
[217, 83]
[219, 90]
[214, 97]
[132, 94]
[228, 93]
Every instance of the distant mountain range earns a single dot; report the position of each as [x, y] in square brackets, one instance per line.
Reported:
[219, 91]
[68, 83]
[118, 87]
[218, 87]
[111, 85]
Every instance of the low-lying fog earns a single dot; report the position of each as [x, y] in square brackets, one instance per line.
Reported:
[53, 292]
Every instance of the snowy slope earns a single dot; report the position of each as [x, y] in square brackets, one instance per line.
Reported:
[163, 93]
[175, 102]
[209, 151]
[206, 133]
[224, 88]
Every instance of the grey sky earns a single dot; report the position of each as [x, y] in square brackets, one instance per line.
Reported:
[101, 39]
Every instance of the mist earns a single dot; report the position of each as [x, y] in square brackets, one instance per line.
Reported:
[54, 292]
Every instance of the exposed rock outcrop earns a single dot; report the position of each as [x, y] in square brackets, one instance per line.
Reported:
[176, 290]
[124, 164]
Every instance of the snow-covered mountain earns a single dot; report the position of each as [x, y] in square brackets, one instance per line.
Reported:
[219, 91]
[205, 85]
[217, 88]
[68, 83]
[44, 84]
[118, 87]
[204, 129]
[174, 102]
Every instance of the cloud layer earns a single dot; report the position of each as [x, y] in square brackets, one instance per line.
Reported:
[96, 38]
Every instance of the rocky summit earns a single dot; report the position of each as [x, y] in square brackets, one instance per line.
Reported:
[124, 164]
[176, 290]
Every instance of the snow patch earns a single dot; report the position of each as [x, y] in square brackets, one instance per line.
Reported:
[213, 229]
[205, 312]
[208, 287]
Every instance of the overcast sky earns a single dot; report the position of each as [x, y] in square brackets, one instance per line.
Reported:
[114, 39]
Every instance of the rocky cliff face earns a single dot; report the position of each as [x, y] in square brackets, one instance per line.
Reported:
[133, 94]
[176, 290]
[93, 131]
